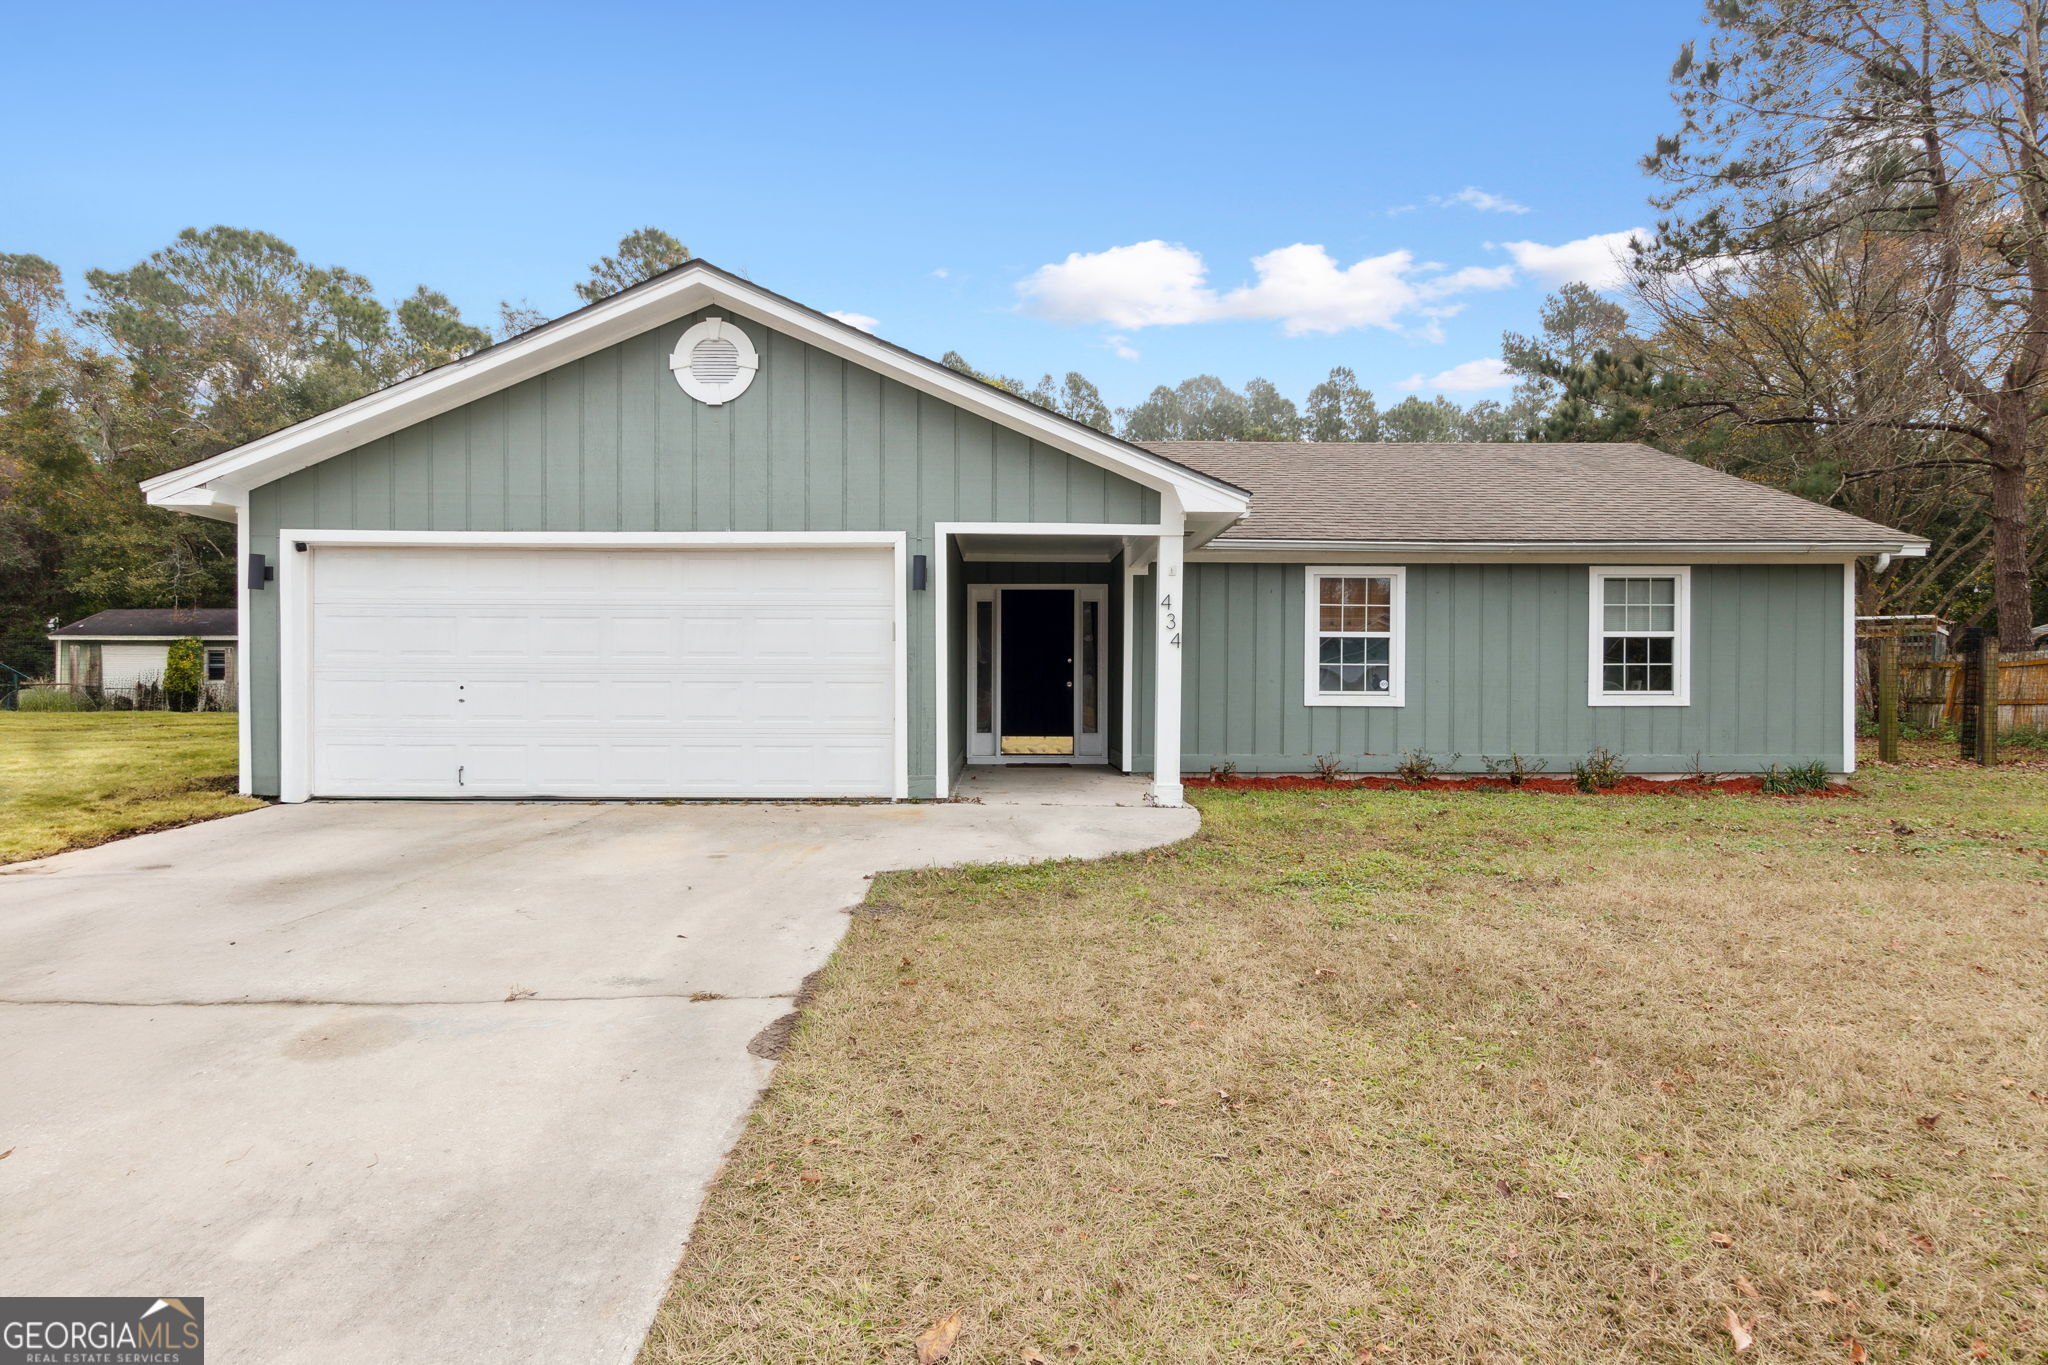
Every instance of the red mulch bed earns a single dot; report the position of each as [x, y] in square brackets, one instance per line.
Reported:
[1562, 786]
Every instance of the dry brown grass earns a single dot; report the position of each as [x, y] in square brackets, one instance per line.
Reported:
[1453, 1078]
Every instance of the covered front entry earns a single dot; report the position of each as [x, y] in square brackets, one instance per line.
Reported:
[1038, 628]
[1040, 660]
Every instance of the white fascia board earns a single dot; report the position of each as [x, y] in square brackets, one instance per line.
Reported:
[627, 315]
[138, 639]
[1302, 551]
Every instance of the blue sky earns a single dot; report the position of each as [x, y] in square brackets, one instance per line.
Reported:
[1134, 191]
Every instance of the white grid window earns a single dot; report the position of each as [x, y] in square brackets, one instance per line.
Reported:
[1640, 620]
[1354, 630]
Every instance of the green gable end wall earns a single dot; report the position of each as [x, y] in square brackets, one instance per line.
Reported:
[1497, 662]
[610, 443]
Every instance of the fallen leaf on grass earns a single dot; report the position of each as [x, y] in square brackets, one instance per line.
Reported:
[1720, 1239]
[811, 1177]
[1745, 1288]
[935, 1342]
[1857, 1355]
[1033, 1358]
[1739, 1333]
[1922, 1240]
[1827, 1297]
[1928, 1121]
[1980, 1349]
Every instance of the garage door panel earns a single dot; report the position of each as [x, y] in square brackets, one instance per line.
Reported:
[603, 673]
[850, 700]
[561, 636]
[494, 635]
[343, 700]
[488, 699]
[407, 768]
[704, 636]
[712, 701]
[640, 636]
[849, 637]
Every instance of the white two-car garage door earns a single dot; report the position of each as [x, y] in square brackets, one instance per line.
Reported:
[601, 673]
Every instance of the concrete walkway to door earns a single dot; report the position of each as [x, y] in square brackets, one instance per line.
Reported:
[426, 1081]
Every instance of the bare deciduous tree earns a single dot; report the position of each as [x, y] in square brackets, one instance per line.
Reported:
[1920, 122]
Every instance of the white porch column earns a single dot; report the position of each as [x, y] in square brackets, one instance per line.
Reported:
[1169, 622]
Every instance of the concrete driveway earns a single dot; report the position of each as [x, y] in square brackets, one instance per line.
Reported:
[410, 1081]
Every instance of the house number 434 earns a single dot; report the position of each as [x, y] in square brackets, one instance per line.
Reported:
[1171, 622]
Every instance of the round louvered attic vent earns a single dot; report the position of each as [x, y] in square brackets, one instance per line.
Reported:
[714, 361]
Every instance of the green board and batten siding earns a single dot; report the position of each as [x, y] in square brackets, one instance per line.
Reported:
[1496, 662]
[610, 443]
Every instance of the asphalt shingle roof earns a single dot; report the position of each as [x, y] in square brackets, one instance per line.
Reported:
[1483, 491]
[204, 622]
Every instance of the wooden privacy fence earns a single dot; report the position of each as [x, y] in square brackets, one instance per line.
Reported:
[1931, 689]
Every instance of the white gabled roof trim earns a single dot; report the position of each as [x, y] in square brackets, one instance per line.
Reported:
[216, 486]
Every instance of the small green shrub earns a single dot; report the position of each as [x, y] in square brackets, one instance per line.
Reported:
[182, 673]
[1795, 778]
[1329, 767]
[1515, 768]
[1600, 769]
[1417, 766]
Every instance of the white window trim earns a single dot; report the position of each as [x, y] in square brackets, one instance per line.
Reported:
[1681, 636]
[1397, 652]
[714, 329]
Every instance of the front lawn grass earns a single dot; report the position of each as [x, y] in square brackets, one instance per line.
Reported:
[1423, 1077]
[73, 779]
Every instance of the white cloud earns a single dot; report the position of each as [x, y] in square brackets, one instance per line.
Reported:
[1469, 377]
[1472, 197]
[1600, 261]
[860, 320]
[1468, 278]
[1146, 284]
[1307, 291]
[1162, 284]
[942, 274]
[1122, 347]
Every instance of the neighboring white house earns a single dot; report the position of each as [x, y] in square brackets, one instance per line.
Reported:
[115, 651]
